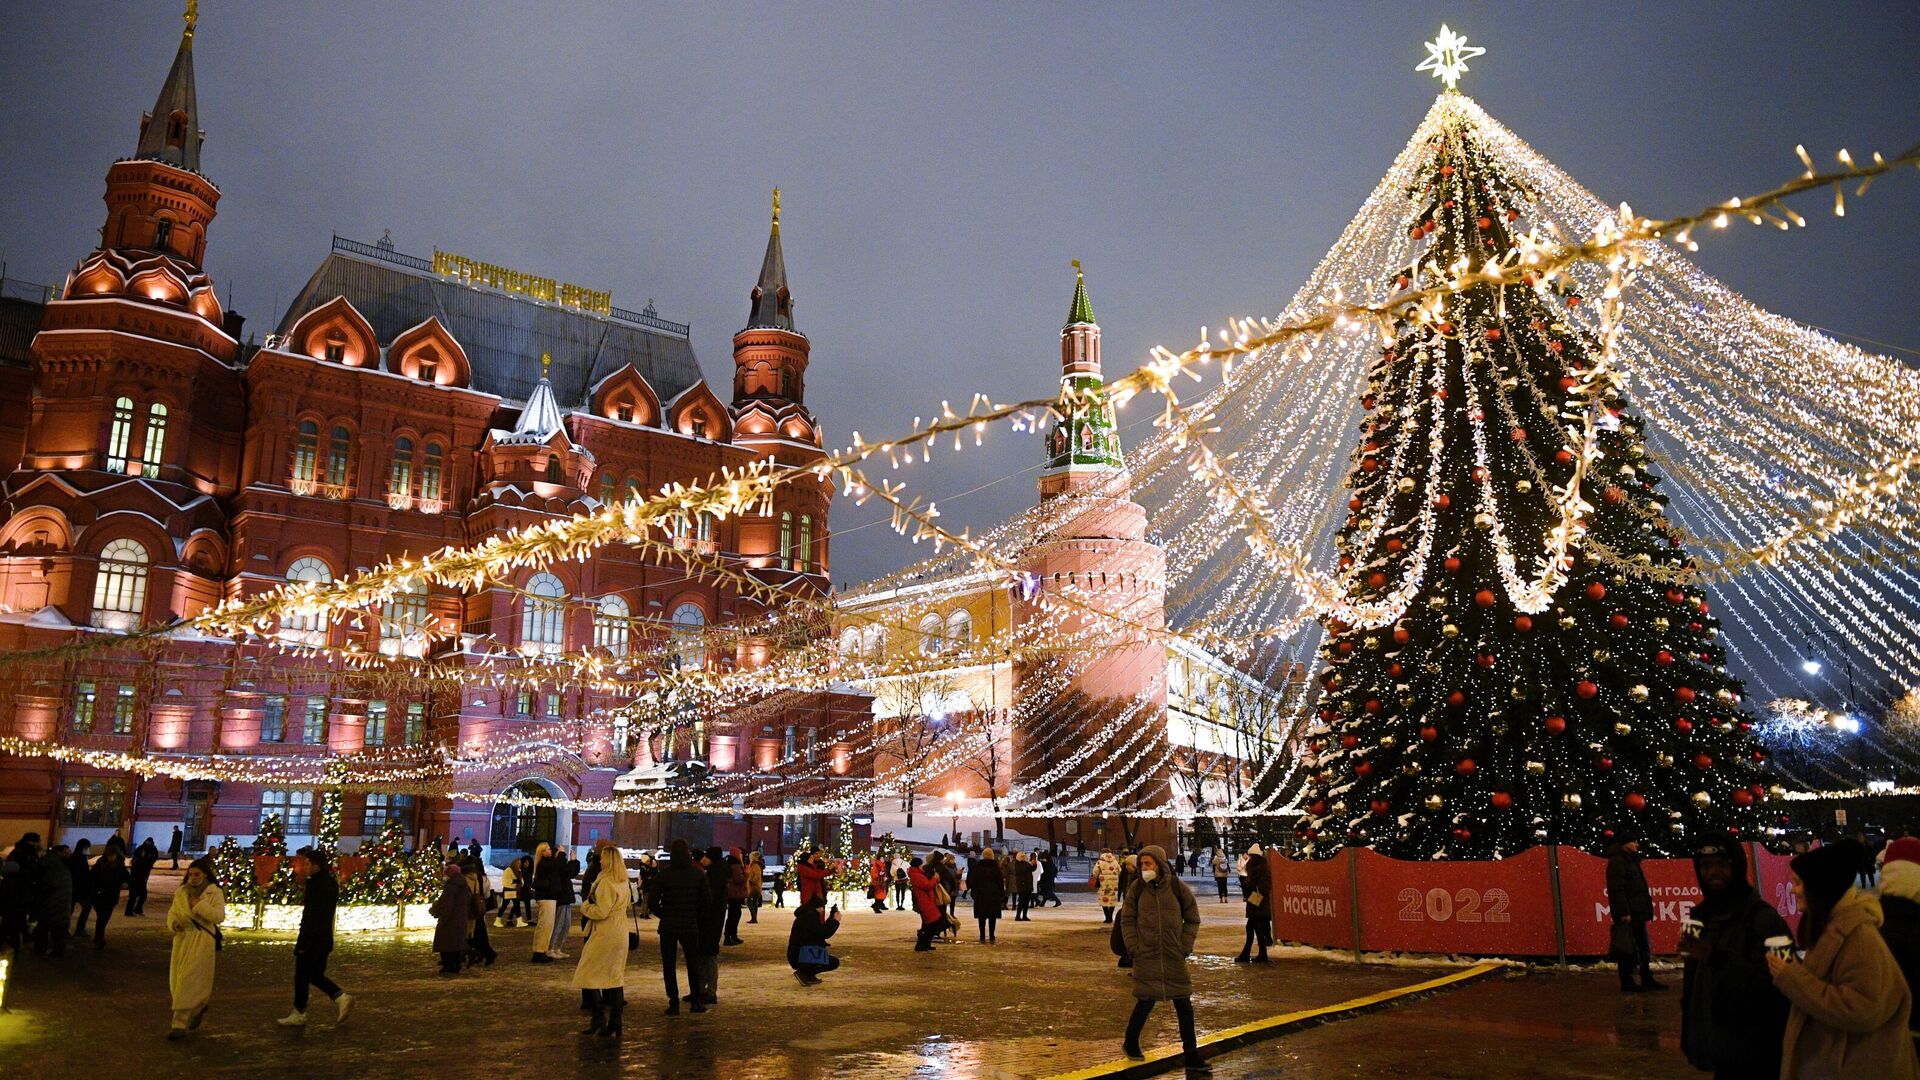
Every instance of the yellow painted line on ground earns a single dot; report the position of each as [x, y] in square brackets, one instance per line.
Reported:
[1253, 1029]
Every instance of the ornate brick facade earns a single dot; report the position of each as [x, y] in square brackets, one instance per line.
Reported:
[395, 410]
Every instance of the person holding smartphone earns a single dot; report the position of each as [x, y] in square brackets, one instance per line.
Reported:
[807, 943]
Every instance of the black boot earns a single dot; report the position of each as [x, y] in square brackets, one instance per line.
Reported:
[589, 1000]
[611, 1029]
[599, 1013]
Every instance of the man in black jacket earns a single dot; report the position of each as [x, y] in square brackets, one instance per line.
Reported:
[679, 895]
[1631, 902]
[1732, 1020]
[315, 943]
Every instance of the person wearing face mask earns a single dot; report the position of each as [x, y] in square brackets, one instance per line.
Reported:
[1159, 920]
[1850, 1004]
[1731, 1017]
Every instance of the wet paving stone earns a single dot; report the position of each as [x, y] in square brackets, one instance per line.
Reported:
[1045, 999]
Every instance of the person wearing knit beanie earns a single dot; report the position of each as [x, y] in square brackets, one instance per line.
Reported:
[1732, 1020]
[1850, 1003]
[1900, 904]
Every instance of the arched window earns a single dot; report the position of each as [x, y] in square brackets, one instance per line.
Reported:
[553, 469]
[339, 451]
[610, 625]
[931, 634]
[400, 479]
[120, 435]
[876, 641]
[689, 642]
[430, 473]
[960, 629]
[608, 489]
[306, 451]
[806, 544]
[303, 628]
[405, 621]
[786, 539]
[849, 644]
[543, 622]
[120, 585]
[156, 439]
[703, 526]
[633, 489]
[162, 233]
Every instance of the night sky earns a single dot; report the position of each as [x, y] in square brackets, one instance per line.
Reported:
[942, 164]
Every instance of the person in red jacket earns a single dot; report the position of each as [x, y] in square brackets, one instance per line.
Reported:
[877, 883]
[812, 874]
[933, 919]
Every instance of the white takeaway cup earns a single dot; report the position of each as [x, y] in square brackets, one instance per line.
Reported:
[1691, 929]
[1780, 946]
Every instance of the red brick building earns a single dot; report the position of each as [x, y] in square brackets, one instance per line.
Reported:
[401, 405]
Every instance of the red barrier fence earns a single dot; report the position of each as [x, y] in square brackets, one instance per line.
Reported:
[1546, 901]
[344, 867]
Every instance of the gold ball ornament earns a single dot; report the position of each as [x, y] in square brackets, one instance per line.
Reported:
[1602, 655]
[1638, 693]
[1536, 768]
[1433, 802]
[1450, 631]
[1660, 622]
[1701, 799]
[1623, 728]
[1523, 486]
[1571, 800]
[1405, 484]
[1566, 622]
[1663, 759]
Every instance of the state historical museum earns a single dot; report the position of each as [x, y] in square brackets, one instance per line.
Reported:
[158, 466]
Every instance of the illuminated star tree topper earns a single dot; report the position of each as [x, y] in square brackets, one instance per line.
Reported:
[1447, 56]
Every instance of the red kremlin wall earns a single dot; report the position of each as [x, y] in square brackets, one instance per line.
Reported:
[1543, 902]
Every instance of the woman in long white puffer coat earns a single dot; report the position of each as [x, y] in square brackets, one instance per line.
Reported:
[199, 907]
[603, 960]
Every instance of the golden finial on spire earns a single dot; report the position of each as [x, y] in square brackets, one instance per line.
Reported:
[1077, 272]
[546, 361]
[776, 210]
[193, 17]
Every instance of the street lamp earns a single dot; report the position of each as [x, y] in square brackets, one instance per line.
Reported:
[1811, 667]
[953, 805]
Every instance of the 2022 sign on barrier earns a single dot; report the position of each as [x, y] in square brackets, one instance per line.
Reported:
[1494, 908]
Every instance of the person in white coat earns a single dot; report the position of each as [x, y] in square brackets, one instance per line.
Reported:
[199, 907]
[602, 971]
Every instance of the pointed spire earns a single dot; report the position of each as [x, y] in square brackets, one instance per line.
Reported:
[772, 303]
[171, 132]
[541, 418]
[1082, 310]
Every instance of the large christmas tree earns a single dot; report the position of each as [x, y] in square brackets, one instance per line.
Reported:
[1503, 695]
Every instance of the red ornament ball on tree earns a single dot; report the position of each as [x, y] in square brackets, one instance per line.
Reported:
[1555, 725]
[1742, 797]
[1682, 724]
[1401, 636]
[1702, 762]
[1614, 496]
[1442, 500]
[1395, 544]
[1587, 688]
[1500, 800]
[1452, 564]
[1466, 767]
[1365, 768]
[1685, 694]
[1564, 457]
[1373, 705]
[1485, 223]
[1486, 659]
[1429, 733]
[1635, 801]
[1377, 580]
[1619, 621]
[1518, 434]
[1484, 598]
[1523, 623]
[1380, 806]
[1493, 333]
[1394, 669]
[1663, 658]
[1457, 698]
[1597, 591]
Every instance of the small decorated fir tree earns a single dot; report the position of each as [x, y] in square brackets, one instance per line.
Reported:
[384, 880]
[233, 868]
